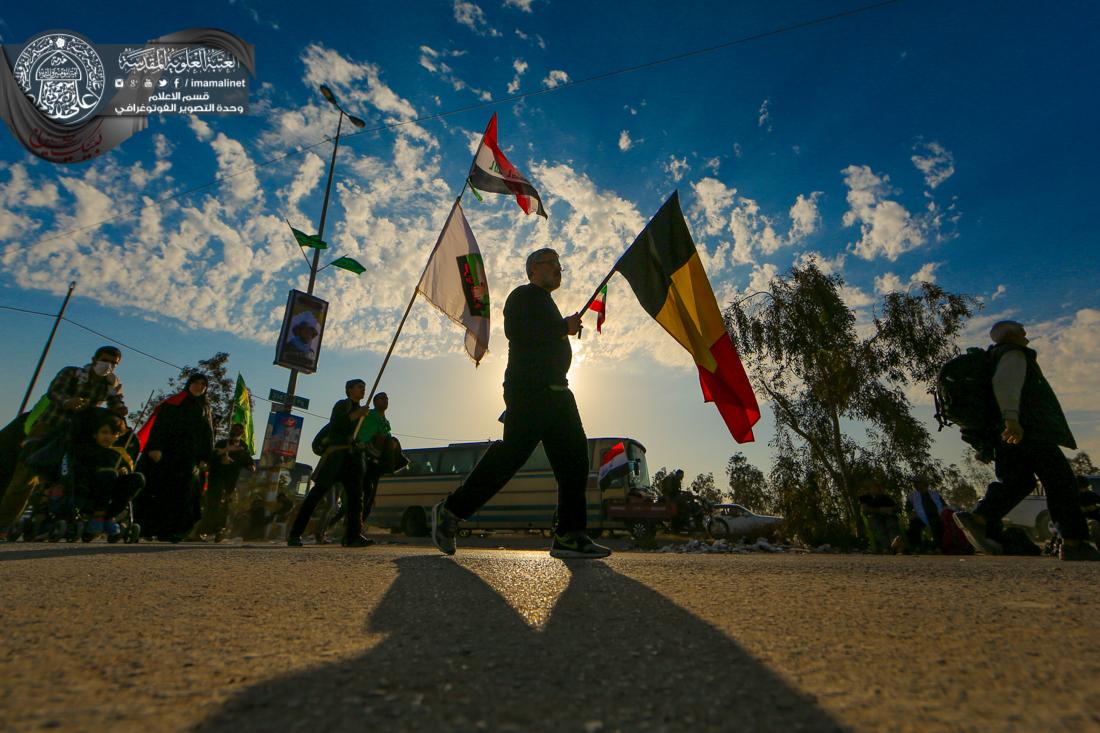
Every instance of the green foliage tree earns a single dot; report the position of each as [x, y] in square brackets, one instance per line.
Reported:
[658, 478]
[747, 485]
[1082, 464]
[824, 375]
[703, 487]
[219, 391]
[956, 489]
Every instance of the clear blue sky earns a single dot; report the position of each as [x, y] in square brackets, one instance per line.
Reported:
[921, 140]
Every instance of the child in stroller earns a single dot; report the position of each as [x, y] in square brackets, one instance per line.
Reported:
[102, 471]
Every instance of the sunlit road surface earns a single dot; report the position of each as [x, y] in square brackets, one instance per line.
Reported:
[399, 638]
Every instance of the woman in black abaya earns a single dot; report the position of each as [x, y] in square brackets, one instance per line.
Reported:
[174, 463]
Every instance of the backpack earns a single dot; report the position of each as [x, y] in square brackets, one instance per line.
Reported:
[320, 440]
[964, 392]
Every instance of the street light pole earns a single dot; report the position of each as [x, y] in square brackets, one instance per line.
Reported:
[292, 383]
[46, 349]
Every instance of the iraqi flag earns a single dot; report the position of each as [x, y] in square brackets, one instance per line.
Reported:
[665, 272]
[613, 464]
[600, 306]
[492, 172]
[454, 282]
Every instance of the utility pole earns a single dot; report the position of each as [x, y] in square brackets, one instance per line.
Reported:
[46, 350]
[292, 383]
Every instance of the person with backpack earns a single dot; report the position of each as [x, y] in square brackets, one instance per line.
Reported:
[1028, 447]
[342, 461]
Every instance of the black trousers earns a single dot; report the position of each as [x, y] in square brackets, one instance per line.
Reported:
[349, 472]
[533, 415]
[371, 476]
[1017, 467]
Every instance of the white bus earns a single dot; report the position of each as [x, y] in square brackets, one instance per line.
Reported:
[528, 501]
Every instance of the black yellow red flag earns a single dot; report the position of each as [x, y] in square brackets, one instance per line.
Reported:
[666, 274]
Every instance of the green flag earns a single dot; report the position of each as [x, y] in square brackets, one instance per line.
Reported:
[242, 413]
[307, 240]
[347, 263]
[35, 413]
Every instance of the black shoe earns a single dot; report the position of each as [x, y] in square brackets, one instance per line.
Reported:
[444, 528]
[577, 546]
[293, 541]
[1080, 551]
[975, 534]
[359, 541]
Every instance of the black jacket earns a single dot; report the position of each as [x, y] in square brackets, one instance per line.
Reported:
[538, 346]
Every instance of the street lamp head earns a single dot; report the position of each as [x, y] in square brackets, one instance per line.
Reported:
[327, 94]
[357, 122]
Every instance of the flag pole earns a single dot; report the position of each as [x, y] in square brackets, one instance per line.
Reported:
[408, 308]
[596, 293]
[130, 437]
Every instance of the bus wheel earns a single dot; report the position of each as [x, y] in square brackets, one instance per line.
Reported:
[414, 523]
[463, 533]
[1042, 527]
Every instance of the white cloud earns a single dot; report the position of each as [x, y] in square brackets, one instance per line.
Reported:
[764, 114]
[556, 77]
[719, 210]
[761, 278]
[521, 67]
[805, 218]
[926, 274]
[887, 229]
[1069, 349]
[827, 266]
[524, 5]
[713, 164]
[889, 282]
[430, 59]
[737, 149]
[625, 143]
[937, 164]
[473, 17]
[676, 167]
[1001, 290]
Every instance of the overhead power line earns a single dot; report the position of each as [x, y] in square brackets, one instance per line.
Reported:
[476, 106]
[180, 368]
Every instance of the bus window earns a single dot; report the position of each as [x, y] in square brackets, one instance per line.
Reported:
[423, 462]
[458, 461]
[538, 460]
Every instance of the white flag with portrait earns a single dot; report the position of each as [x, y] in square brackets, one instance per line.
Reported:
[454, 282]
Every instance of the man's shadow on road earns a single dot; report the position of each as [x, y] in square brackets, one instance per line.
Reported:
[459, 658]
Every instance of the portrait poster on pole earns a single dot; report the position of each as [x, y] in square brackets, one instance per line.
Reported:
[299, 344]
[284, 432]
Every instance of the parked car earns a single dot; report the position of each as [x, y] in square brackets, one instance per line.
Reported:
[734, 520]
[1032, 513]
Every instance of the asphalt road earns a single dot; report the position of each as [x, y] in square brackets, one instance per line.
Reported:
[399, 638]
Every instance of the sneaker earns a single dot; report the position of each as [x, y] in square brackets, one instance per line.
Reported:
[359, 541]
[444, 528]
[1080, 551]
[293, 541]
[975, 534]
[578, 546]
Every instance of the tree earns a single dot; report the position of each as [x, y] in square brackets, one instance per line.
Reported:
[823, 375]
[703, 487]
[1082, 464]
[747, 485]
[957, 490]
[219, 392]
[658, 478]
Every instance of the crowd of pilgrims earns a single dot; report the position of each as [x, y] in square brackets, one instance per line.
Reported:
[75, 462]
